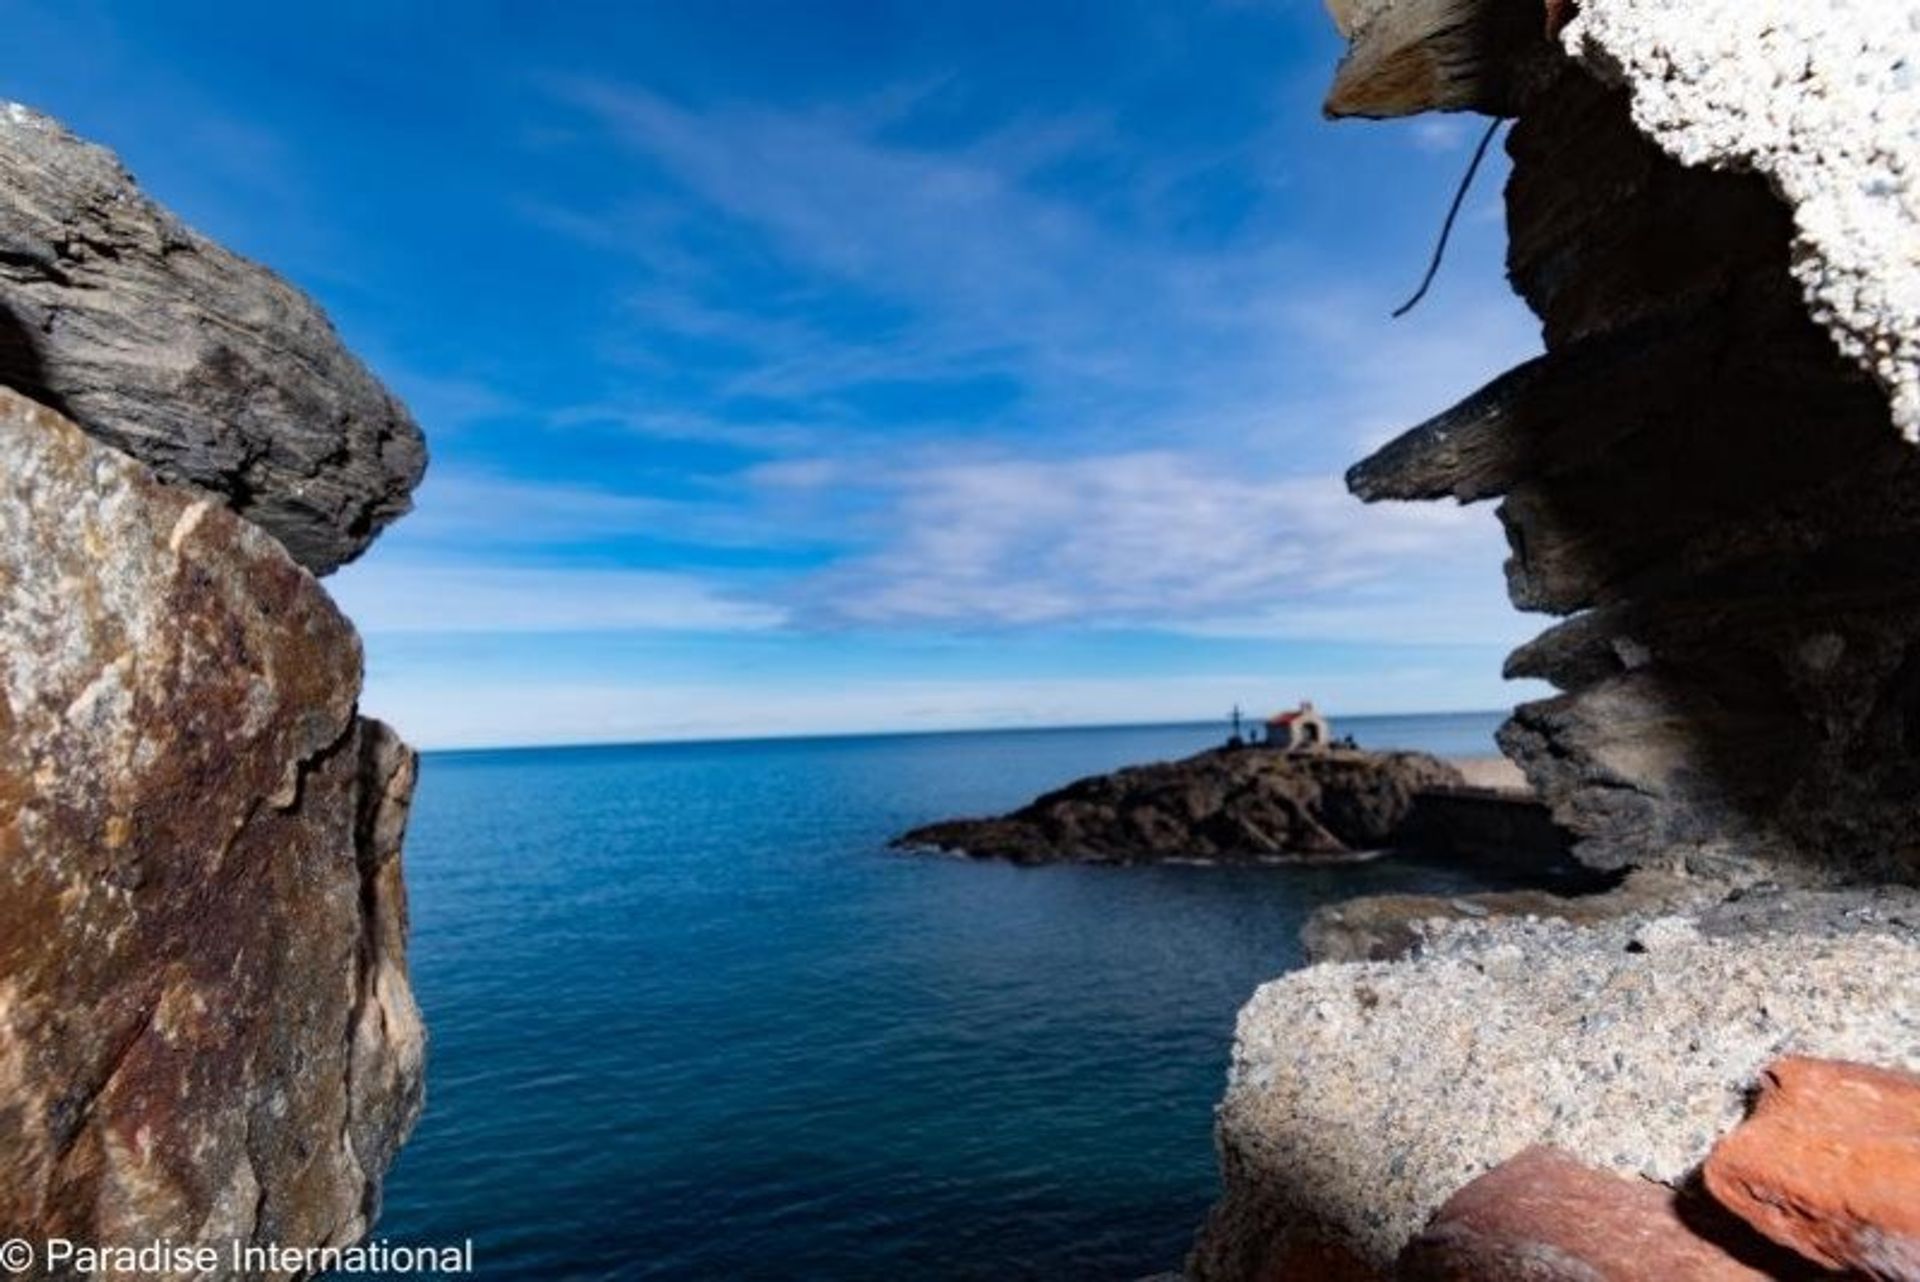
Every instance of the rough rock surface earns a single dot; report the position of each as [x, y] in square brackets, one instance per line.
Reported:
[1247, 803]
[1362, 1096]
[1821, 97]
[1695, 473]
[209, 368]
[206, 1032]
[1543, 1217]
[1829, 1165]
[1389, 927]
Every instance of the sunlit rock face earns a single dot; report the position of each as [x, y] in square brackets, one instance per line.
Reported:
[1362, 1096]
[206, 1032]
[207, 367]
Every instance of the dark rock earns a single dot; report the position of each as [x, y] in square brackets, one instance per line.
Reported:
[208, 368]
[206, 1032]
[1829, 1165]
[1717, 495]
[1501, 834]
[1228, 804]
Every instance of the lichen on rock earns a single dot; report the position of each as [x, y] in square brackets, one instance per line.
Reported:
[206, 1033]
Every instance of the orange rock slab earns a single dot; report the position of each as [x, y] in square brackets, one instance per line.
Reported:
[1829, 1165]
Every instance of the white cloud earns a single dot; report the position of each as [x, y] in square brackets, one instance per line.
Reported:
[1441, 133]
[1158, 540]
[388, 596]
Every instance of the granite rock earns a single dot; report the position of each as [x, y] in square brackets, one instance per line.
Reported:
[209, 368]
[206, 1032]
[1361, 1096]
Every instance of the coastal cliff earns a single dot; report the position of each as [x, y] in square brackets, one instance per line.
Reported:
[206, 1030]
[1713, 209]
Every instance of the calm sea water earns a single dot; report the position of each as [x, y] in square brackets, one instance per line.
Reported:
[691, 1019]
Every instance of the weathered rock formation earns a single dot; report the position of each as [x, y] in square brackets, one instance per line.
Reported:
[206, 1030]
[209, 368]
[1701, 472]
[1227, 804]
[1363, 1095]
[1715, 211]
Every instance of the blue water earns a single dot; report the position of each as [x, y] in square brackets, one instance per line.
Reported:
[691, 1019]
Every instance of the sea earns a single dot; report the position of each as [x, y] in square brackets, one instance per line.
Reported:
[691, 1018]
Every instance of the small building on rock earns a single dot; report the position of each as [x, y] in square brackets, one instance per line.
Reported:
[1301, 730]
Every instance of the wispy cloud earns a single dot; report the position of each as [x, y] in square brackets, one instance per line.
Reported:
[963, 263]
[464, 516]
[1156, 540]
[387, 597]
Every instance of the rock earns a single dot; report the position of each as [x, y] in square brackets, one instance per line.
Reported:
[1829, 1165]
[1233, 804]
[1361, 1096]
[1818, 98]
[1390, 927]
[1543, 1217]
[1713, 214]
[1410, 56]
[206, 1033]
[207, 367]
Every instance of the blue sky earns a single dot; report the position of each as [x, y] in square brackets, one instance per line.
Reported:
[829, 367]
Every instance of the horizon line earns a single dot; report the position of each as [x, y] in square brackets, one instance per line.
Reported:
[801, 736]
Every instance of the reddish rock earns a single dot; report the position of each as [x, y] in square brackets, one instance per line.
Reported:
[1306, 1257]
[1544, 1217]
[1829, 1164]
[206, 1032]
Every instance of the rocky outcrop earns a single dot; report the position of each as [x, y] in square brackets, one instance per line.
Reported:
[1362, 1096]
[1715, 215]
[1225, 804]
[209, 368]
[1829, 1166]
[206, 1032]
[1714, 209]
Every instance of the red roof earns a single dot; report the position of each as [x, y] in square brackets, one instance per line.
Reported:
[1283, 718]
